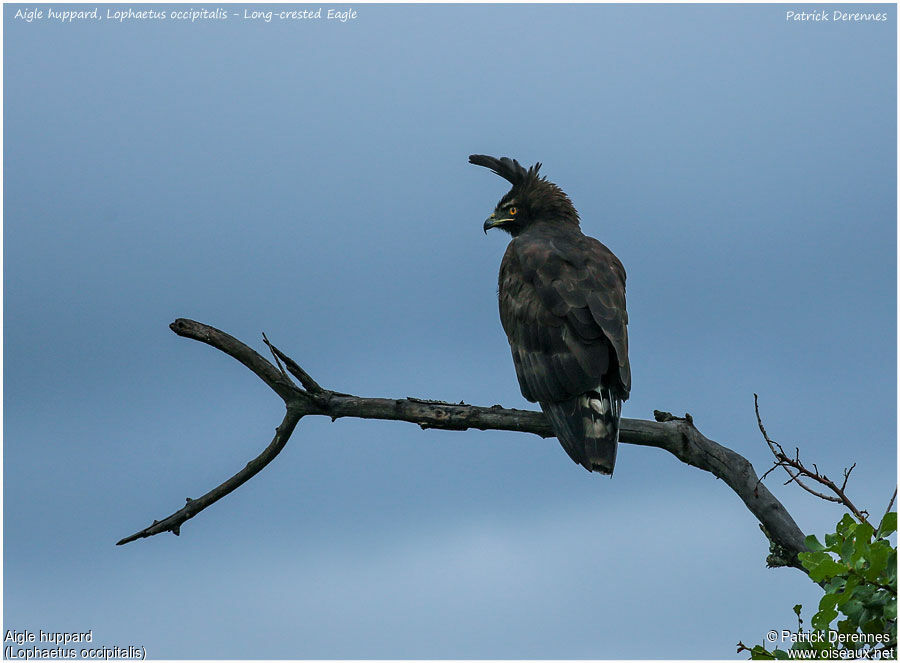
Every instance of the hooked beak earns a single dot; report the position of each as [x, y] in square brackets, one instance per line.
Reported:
[493, 221]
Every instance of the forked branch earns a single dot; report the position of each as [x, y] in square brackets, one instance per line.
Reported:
[796, 469]
[677, 435]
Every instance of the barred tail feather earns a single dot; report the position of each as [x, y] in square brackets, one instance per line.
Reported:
[588, 428]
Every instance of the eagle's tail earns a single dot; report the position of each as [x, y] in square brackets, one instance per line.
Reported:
[588, 428]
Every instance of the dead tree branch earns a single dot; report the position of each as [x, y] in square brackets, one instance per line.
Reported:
[796, 469]
[174, 522]
[677, 435]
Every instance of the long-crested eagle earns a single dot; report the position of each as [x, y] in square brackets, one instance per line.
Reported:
[562, 306]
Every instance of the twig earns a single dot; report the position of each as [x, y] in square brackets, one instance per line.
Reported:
[240, 351]
[174, 522]
[274, 355]
[847, 476]
[306, 380]
[678, 436]
[800, 470]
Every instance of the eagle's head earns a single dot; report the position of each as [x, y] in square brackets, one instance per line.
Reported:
[532, 198]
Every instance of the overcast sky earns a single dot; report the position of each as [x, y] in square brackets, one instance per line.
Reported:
[308, 178]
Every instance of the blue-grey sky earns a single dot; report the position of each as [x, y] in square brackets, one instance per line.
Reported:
[309, 179]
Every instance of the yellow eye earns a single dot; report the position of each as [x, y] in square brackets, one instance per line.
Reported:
[513, 211]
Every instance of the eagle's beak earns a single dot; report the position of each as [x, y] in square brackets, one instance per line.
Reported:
[493, 221]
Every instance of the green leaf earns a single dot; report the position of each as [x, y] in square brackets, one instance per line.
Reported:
[835, 585]
[813, 543]
[890, 576]
[846, 525]
[888, 524]
[825, 569]
[812, 559]
[760, 653]
[798, 608]
[863, 533]
[828, 602]
[823, 618]
[847, 549]
[864, 593]
[846, 626]
[879, 600]
[878, 555]
[859, 557]
[864, 616]
[849, 588]
[852, 609]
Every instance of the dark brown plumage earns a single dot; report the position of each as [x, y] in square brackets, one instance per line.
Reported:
[562, 306]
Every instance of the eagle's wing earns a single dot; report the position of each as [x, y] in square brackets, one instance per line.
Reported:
[562, 305]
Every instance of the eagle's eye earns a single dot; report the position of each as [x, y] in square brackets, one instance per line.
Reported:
[513, 211]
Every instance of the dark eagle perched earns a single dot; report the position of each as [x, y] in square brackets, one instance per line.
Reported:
[562, 306]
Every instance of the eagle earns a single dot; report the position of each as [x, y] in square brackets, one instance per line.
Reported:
[562, 306]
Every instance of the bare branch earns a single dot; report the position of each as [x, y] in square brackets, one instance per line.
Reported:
[800, 470]
[243, 353]
[306, 380]
[677, 435]
[795, 478]
[847, 476]
[765, 474]
[193, 507]
[275, 356]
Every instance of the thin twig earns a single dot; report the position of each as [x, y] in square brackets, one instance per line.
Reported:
[306, 380]
[174, 522]
[800, 470]
[847, 476]
[795, 478]
[765, 474]
[275, 356]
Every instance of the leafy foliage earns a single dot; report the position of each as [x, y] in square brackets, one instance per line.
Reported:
[857, 568]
